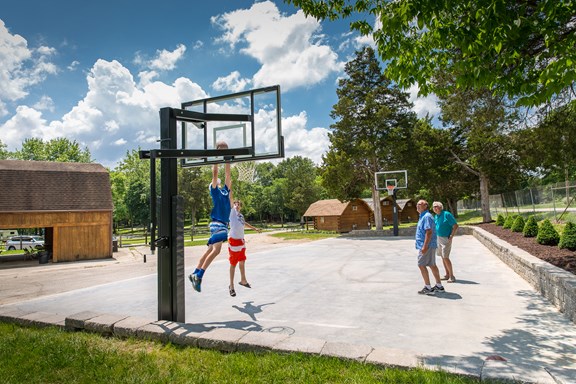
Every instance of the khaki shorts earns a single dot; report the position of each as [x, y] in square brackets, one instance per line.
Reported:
[444, 247]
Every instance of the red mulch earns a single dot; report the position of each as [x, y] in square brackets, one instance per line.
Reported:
[562, 258]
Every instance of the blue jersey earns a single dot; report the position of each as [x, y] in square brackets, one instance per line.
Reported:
[221, 199]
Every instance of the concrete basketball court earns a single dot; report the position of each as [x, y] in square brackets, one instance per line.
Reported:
[353, 290]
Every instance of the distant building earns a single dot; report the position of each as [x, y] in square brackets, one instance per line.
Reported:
[71, 202]
[334, 215]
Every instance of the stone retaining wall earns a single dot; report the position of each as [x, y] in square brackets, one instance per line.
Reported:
[555, 284]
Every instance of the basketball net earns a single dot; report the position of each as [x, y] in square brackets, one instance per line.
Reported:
[390, 189]
[246, 171]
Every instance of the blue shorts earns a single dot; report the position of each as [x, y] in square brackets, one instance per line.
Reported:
[218, 232]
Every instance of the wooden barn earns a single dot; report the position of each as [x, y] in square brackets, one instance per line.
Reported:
[72, 202]
[334, 215]
[387, 207]
[408, 211]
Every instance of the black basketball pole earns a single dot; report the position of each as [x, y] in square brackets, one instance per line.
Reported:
[395, 210]
[170, 267]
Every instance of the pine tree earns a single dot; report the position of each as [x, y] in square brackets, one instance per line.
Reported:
[531, 227]
[547, 234]
[518, 225]
[509, 221]
[568, 238]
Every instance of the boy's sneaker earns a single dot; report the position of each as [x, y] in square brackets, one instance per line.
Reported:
[196, 282]
[426, 291]
[438, 289]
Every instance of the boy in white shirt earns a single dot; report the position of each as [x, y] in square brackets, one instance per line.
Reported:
[237, 245]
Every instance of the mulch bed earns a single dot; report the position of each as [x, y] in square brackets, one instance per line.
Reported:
[562, 258]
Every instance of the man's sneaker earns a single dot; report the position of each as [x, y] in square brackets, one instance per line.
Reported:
[438, 289]
[426, 291]
[196, 282]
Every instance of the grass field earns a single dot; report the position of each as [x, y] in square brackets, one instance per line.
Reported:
[50, 355]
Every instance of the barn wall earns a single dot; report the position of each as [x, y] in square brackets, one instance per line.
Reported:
[355, 219]
[330, 223]
[73, 235]
[409, 213]
[81, 243]
[387, 206]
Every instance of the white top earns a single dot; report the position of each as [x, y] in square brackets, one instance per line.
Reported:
[237, 223]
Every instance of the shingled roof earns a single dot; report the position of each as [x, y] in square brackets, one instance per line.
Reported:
[53, 186]
[331, 207]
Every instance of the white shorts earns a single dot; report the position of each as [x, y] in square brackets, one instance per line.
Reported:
[444, 247]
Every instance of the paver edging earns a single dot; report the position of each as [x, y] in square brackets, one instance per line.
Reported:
[555, 284]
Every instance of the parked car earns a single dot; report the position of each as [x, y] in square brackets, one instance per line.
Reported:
[24, 242]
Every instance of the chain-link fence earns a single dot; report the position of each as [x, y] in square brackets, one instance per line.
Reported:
[556, 201]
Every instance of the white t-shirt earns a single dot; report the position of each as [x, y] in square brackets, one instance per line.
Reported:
[236, 224]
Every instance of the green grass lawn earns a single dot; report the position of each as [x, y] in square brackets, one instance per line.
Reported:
[50, 355]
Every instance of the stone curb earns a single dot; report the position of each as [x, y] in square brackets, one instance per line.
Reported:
[232, 340]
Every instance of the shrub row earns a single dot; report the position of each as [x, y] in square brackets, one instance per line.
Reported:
[545, 233]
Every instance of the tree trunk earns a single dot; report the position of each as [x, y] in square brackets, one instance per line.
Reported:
[377, 208]
[452, 206]
[485, 198]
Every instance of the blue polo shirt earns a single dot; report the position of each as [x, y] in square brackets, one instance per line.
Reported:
[221, 199]
[425, 222]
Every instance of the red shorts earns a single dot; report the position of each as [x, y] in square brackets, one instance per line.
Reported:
[237, 250]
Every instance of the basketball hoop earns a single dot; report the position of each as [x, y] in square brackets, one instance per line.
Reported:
[390, 189]
[246, 171]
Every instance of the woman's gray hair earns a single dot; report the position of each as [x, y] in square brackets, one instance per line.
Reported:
[437, 204]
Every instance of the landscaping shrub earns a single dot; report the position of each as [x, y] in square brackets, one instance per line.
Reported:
[531, 227]
[547, 234]
[518, 225]
[568, 238]
[509, 221]
[500, 220]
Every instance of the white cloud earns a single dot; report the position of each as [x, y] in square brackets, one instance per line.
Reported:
[115, 115]
[232, 82]
[166, 60]
[20, 66]
[298, 140]
[289, 48]
[423, 106]
[73, 65]
[45, 104]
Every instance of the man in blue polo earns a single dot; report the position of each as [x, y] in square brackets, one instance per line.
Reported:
[426, 245]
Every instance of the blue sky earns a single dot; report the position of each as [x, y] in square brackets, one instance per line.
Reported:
[99, 73]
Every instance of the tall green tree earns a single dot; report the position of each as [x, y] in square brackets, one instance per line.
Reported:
[373, 124]
[4, 153]
[523, 49]
[549, 148]
[480, 123]
[193, 187]
[137, 201]
[60, 149]
[301, 187]
[431, 167]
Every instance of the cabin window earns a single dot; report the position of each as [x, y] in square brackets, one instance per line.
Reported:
[322, 220]
[354, 207]
[385, 203]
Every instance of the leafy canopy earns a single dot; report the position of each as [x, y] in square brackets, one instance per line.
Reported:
[517, 48]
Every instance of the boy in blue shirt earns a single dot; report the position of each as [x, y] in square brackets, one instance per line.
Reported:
[220, 217]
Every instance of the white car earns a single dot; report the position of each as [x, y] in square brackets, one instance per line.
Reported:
[24, 242]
